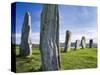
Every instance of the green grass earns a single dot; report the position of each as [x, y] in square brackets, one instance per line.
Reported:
[79, 59]
[28, 64]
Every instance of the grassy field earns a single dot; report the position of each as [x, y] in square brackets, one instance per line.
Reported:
[80, 59]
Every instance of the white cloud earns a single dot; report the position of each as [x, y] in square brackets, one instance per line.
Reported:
[34, 37]
[16, 38]
[89, 33]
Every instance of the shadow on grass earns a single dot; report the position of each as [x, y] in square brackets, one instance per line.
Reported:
[27, 59]
[18, 56]
[71, 50]
[35, 70]
[35, 53]
[63, 51]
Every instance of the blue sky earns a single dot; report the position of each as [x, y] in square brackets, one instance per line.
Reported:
[80, 20]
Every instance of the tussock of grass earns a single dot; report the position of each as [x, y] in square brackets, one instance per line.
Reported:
[79, 59]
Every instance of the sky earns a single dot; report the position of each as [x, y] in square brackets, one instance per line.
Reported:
[80, 20]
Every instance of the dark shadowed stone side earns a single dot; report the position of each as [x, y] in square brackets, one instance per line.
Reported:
[91, 43]
[49, 38]
[26, 45]
[67, 41]
[83, 42]
[77, 44]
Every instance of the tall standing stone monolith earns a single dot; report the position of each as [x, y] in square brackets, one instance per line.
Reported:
[83, 42]
[49, 38]
[91, 43]
[26, 45]
[67, 41]
[77, 44]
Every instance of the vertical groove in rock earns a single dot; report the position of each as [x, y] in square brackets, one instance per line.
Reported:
[49, 37]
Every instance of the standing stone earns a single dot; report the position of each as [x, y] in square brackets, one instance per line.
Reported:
[91, 43]
[77, 44]
[67, 41]
[26, 45]
[83, 42]
[49, 38]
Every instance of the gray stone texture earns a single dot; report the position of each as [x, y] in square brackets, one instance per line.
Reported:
[91, 43]
[77, 44]
[67, 41]
[26, 45]
[83, 42]
[49, 38]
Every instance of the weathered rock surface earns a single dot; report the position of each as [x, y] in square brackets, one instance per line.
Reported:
[83, 42]
[77, 44]
[26, 45]
[67, 41]
[49, 38]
